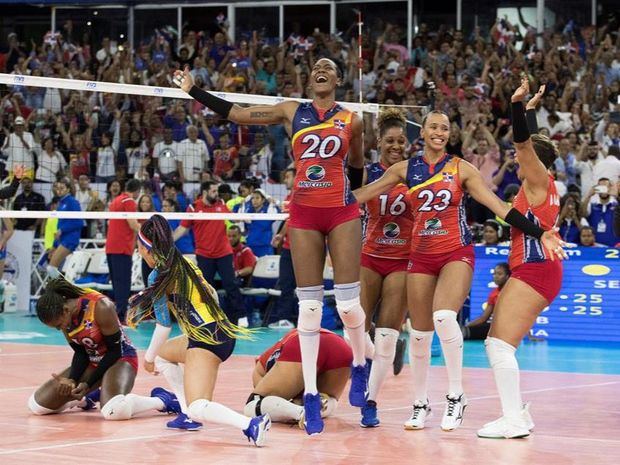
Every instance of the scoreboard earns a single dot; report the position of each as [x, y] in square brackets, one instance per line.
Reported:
[588, 306]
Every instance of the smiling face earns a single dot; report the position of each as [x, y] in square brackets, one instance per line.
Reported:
[324, 77]
[436, 132]
[392, 145]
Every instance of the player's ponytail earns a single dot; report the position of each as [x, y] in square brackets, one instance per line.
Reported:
[51, 303]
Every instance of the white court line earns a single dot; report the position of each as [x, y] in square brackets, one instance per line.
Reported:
[46, 352]
[28, 426]
[18, 388]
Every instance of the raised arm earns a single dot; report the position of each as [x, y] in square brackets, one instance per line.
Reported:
[395, 174]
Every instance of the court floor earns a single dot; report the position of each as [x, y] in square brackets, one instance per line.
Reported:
[573, 390]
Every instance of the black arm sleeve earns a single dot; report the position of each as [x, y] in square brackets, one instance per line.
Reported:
[79, 363]
[113, 343]
[520, 131]
[218, 105]
[516, 219]
[532, 122]
[10, 190]
[356, 177]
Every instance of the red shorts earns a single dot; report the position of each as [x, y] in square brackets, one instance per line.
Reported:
[334, 352]
[323, 220]
[131, 359]
[544, 277]
[384, 266]
[432, 263]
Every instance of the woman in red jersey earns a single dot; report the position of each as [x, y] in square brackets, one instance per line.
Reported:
[525, 294]
[385, 255]
[441, 262]
[326, 140]
[103, 356]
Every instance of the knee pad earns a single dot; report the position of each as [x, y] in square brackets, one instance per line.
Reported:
[310, 315]
[117, 408]
[385, 342]
[447, 327]
[37, 409]
[310, 293]
[501, 354]
[329, 405]
[420, 343]
[196, 409]
[252, 406]
[351, 312]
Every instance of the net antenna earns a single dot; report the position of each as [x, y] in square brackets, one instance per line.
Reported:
[360, 61]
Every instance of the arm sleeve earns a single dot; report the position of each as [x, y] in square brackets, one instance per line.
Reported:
[160, 305]
[532, 122]
[160, 335]
[79, 363]
[113, 343]
[10, 190]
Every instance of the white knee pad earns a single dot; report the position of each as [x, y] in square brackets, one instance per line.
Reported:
[310, 314]
[196, 409]
[385, 342]
[446, 326]
[501, 354]
[37, 409]
[351, 312]
[420, 343]
[117, 408]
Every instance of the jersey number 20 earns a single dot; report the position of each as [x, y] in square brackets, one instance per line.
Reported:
[324, 148]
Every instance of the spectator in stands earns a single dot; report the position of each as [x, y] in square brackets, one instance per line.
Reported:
[213, 250]
[492, 234]
[590, 156]
[193, 156]
[52, 165]
[145, 205]
[507, 174]
[114, 189]
[79, 158]
[176, 120]
[19, 148]
[173, 190]
[120, 244]
[598, 207]
[107, 154]
[28, 200]
[185, 243]
[84, 194]
[587, 238]
[565, 163]
[137, 154]
[570, 220]
[609, 167]
[6, 231]
[165, 156]
[226, 158]
[228, 196]
[245, 189]
[259, 232]
[244, 259]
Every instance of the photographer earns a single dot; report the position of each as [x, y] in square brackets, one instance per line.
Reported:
[598, 207]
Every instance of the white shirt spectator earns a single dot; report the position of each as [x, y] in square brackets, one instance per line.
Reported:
[135, 158]
[608, 168]
[106, 156]
[19, 152]
[586, 169]
[50, 165]
[166, 155]
[194, 156]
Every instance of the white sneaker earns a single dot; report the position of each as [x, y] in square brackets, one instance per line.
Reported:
[281, 324]
[421, 412]
[504, 428]
[453, 414]
[527, 417]
[243, 322]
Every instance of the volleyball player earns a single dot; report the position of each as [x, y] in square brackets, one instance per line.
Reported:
[103, 356]
[278, 377]
[525, 294]
[326, 139]
[442, 257]
[385, 255]
[177, 285]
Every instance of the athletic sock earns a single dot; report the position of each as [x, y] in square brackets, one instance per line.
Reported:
[385, 348]
[451, 338]
[205, 410]
[369, 349]
[173, 372]
[309, 327]
[280, 409]
[506, 371]
[141, 404]
[420, 361]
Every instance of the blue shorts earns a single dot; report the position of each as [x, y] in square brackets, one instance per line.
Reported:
[223, 350]
[69, 241]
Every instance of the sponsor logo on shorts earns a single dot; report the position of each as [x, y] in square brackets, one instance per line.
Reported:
[315, 174]
[391, 231]
[432, 227]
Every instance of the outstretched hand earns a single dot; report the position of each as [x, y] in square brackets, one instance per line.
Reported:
[183, 79]
[522, 90]
[554, 245]
[533, 103]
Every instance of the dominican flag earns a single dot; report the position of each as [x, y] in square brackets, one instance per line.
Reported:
[339, 124]
[447, 177]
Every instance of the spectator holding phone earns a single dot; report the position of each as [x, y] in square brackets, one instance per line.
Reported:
[598, 207]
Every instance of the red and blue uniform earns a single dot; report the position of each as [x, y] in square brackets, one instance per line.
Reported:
[322, 197]
[440, 232]
[528, 258]
[387, 227]
[85, 331]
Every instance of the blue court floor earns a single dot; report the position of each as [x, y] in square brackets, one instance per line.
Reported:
[577, 357]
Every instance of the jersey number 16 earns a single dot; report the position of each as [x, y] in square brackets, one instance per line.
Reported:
[397, 207]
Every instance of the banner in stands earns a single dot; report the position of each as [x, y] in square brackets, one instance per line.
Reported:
[588, 306]
[18, 265]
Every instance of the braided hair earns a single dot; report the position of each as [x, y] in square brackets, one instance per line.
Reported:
[179, 278]
[51, 304]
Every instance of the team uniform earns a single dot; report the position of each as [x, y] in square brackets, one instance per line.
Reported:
[528, 258]
[387, 228]
[322, 198]
[440, 233]
[84, 331]
[70, 229]
[334, 352]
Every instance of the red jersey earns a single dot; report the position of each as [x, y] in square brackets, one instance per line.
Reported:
[224, 160]
[209, 235]
[493, 295]
[121, 239]
[320, 148]
[528, 249]
[243, 257]
[438, 204]
[85, 331]
[388, 220]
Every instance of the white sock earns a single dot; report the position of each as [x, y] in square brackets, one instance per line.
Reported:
[173, 372]
[205, 410]
[506, 371]
[451, 338]
[354, 319]
[420, 361]
[279, 409]
[141, 404]
[309, 327]
[385, 348]
[370, 347]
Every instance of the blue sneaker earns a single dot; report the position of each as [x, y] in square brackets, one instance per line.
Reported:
[182, 421]
[257, 430]
[369, 415]
[359, 386]
[311, 417]
[171, 404]
[91, 400]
